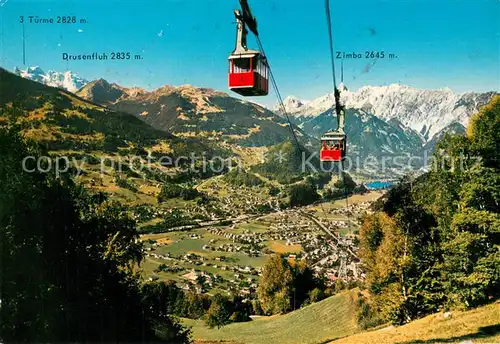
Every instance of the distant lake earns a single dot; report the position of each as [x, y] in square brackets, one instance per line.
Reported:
[379, 185]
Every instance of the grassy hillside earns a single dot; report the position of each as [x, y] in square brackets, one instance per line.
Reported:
[334, 318]
[109, 147]
[62, 121]
[119, 154]
[317, 323]
[481, 325]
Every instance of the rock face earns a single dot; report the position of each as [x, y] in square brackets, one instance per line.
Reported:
[101, 92]
[67, 80]
[427, 112]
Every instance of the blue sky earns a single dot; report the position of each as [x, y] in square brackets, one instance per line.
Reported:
[438, 43]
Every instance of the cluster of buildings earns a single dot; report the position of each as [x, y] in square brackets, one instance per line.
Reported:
[331, 256]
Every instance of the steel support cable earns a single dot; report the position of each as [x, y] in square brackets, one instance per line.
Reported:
[282, 105]
[330, 39]
[278, 95]
[283, 109]
[335, 90]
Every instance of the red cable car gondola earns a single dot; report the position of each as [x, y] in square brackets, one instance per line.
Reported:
[334, 143]
[248, 69]
[248, 74]
[333, 147]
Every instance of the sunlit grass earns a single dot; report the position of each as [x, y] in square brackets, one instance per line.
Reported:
[480, 325]
[317, 323]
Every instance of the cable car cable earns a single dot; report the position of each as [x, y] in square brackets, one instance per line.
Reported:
[283, 108]
[336, 92]
[330, 39]
[248, 20]
[282, 105]
[278, 94]
[335, 89]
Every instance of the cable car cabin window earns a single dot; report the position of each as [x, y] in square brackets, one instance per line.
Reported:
[264, 69]
[261, 68]
[242, 65]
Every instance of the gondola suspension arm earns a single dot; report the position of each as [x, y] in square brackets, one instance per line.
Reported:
[248, 18]
[339, 110]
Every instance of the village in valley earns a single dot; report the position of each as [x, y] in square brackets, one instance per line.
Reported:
[219, 241]
[229, 258]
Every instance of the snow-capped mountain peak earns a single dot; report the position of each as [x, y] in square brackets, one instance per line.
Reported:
[427, 112]
[67, 80]
[292, 104]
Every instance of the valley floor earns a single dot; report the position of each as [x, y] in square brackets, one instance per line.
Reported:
[225, 253]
